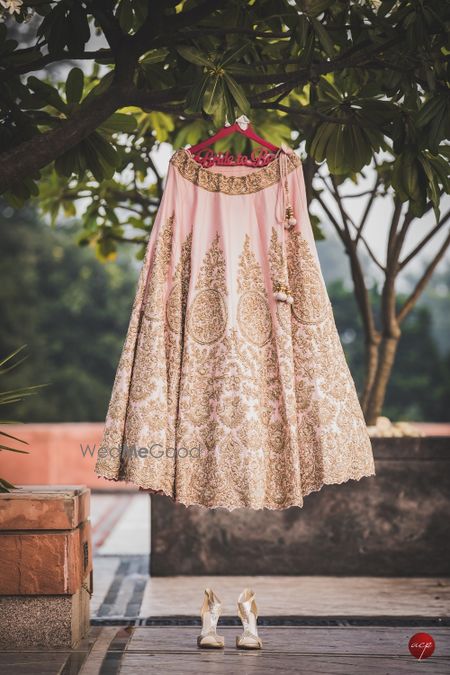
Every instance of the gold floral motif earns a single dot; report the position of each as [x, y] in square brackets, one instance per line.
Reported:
[176, 301]
[207, 317]
[257, 180]
[309, 293]
[207, 313]
[254, 319]
[212, 270]
[175, 318]
[153, 295]
[250, 276]
[253, 312]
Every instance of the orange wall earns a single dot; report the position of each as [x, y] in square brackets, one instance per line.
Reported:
[55, 456]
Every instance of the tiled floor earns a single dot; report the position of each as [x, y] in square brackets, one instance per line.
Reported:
[120, 523]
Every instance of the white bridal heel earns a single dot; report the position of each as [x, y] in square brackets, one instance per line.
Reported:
[248, 614]
[210, 612]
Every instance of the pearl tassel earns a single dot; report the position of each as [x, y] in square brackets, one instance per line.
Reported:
[289, 218]
[281, 291]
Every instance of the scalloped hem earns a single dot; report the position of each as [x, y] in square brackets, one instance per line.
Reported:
[229, 507]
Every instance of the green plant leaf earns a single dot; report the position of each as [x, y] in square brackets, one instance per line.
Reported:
[119, 123]
[237, 93]
[324, 37]
[74, 86]
[47, 92]
[194, 56]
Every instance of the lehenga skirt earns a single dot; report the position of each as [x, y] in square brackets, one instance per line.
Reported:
[232, 389]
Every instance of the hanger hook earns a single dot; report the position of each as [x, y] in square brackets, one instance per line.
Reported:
[243, 122]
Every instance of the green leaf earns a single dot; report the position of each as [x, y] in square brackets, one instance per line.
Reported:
[324, 37]
[438, 129]
[433, 186]
[106, 249]
[65, 164]
[162, 124]
[154, 56]
[327, 90]
[196, 94]
[119, 123]
[125, 15]
[107, 155]
[233, 55]
[194, 56]
[336, 151]
[5, 486]
[318, 144]
[80, 31]
[47, 92]
[429, 111]
[91, 159]
[237, 93]
[212, 95]
[7, 447]
[74, 86]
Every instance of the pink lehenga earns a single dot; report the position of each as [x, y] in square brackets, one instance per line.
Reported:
[232, 389]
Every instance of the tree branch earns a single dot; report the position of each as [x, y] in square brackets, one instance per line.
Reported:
[47, 59]
[412, 299]
[102, 11]
[346, 219]
[365, 215]
[299, 111]
[361, 292]
[424, 241]
[33, 154]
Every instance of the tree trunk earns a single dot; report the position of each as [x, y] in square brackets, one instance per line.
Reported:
[386, 357]
[371, 359]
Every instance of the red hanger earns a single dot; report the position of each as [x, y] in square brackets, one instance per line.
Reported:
[257, 157]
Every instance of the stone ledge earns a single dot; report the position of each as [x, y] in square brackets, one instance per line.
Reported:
[392, 524]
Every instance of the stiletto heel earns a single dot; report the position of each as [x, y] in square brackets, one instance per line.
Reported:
[248, 614]
[210, 612]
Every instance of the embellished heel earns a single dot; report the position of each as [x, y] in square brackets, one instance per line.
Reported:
[210, 612]
[248, 614]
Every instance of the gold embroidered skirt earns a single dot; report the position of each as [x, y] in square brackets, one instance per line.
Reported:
[232, 389]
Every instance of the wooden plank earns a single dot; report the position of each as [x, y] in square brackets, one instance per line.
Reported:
[93, 662]
[312, 640]
[303, 595]
[261, 664]
[46, 663]
[286, 650]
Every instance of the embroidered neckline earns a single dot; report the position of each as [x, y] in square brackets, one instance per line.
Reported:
[257, 180]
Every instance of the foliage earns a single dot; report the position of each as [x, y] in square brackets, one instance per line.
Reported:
[70, 309]
[352, 79]
[9, 397]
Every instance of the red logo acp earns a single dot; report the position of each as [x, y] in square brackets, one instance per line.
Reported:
[421, 645]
